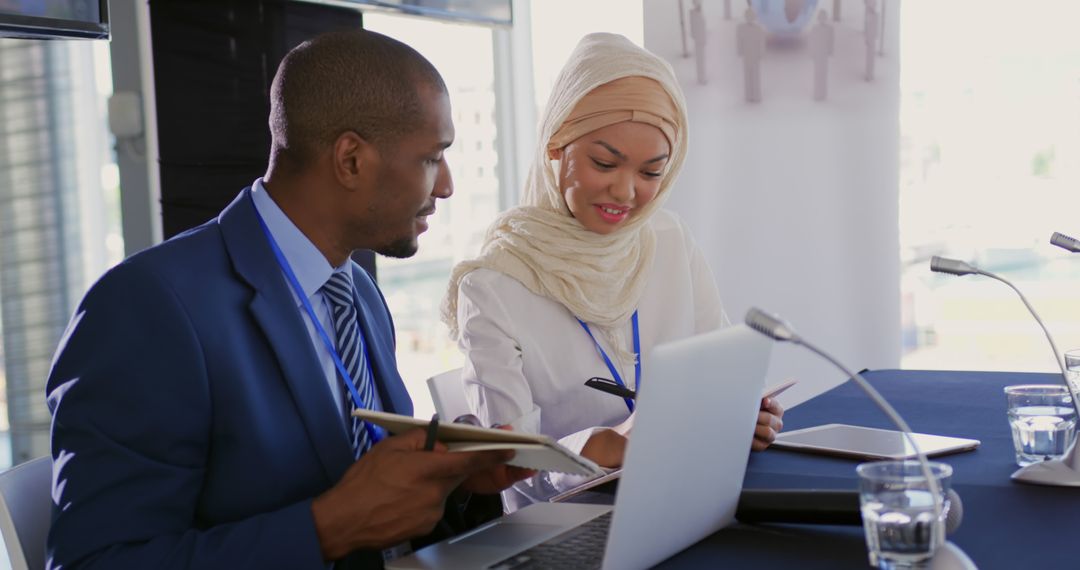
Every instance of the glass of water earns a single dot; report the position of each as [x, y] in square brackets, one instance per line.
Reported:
[1043, 421]
[898, 512]
[1072, 368]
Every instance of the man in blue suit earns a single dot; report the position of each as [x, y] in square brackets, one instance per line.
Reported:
[200, 396]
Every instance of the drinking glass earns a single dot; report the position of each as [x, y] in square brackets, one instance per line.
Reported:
[1043, 421]
[898, 512]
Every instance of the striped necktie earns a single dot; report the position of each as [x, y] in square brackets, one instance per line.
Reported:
[350, 346]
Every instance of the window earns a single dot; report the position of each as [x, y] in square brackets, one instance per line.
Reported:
[990, 167]
[415, 287]
[59, 216]
[555, 35]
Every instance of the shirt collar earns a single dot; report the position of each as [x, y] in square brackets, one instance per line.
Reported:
[311, 268]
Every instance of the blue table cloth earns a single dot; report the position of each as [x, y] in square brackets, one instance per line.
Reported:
[1005, 524]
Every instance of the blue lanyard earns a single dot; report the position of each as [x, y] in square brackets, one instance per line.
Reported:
[611, 366]
[373, 433]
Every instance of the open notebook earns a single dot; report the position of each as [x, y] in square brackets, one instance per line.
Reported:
[539, 452]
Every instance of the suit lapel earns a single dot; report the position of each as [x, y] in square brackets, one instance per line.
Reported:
[274, 310]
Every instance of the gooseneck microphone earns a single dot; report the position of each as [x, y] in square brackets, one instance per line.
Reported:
[951, 266]
[1064, 472]
[957, 267]
[1065, 242]
[775, 328]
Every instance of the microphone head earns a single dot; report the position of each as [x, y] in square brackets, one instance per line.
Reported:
[769, 325]
[1065, 242]
[955, 513]
[951, 266]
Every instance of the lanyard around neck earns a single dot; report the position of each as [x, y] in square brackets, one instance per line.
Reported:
[373, 433]
[611, 365]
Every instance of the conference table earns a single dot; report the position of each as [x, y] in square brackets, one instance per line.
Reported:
[1005, 524]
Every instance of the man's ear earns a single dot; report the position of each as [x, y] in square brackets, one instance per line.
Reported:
[354, 160]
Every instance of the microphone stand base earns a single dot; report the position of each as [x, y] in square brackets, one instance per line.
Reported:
[950, 557]
[1064, 472]
[1054, 472]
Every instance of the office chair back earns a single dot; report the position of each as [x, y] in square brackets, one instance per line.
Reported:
[448, 395]
[26, 512]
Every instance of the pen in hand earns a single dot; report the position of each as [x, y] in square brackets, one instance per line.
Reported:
[605, 385]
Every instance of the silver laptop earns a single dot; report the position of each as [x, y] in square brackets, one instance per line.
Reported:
[681, 478]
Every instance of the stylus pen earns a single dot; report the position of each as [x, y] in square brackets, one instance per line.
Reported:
[605, 385]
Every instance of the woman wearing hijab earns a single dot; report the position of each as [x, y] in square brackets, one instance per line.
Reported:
[590, 273]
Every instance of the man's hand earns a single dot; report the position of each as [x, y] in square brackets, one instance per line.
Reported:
[396, 491]
[497, 478]
[768, 424]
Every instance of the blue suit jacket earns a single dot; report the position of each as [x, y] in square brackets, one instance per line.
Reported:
[192, 423]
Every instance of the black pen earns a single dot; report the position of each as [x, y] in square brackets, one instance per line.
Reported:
[605, 385]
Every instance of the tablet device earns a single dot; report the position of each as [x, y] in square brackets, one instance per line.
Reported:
[606, 484]
[868, 443]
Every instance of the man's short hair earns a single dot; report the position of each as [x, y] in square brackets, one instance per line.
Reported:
[354, 80]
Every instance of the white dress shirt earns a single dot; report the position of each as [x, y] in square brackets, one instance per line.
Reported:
[527, 357]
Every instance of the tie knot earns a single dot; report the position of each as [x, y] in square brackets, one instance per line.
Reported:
[339, 288]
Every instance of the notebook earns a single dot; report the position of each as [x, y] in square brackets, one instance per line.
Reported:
[532, 451]
[680, 481]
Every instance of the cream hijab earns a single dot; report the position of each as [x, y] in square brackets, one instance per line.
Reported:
[598, 278]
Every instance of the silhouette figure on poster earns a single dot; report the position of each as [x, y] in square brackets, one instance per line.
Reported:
[821, 48]
[682, 29]
[750, 46]
[870, 31]
[836, 10]
[881, 33]
[697, 33]
[793, 9]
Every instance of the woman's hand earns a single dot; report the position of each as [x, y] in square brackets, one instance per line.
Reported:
[605, 447]
[768, 424]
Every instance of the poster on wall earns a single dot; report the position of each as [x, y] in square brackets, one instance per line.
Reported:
[791, 180]
[784, 47]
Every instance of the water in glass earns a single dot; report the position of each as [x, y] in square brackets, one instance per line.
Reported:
[1041, 432]
[901, 530]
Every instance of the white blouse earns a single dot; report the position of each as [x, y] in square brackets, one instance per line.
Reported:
[527, 357]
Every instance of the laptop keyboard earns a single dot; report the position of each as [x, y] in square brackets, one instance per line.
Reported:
[580, 547]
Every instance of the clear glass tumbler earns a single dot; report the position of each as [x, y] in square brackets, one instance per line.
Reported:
[898, 512]
[1043, 421]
